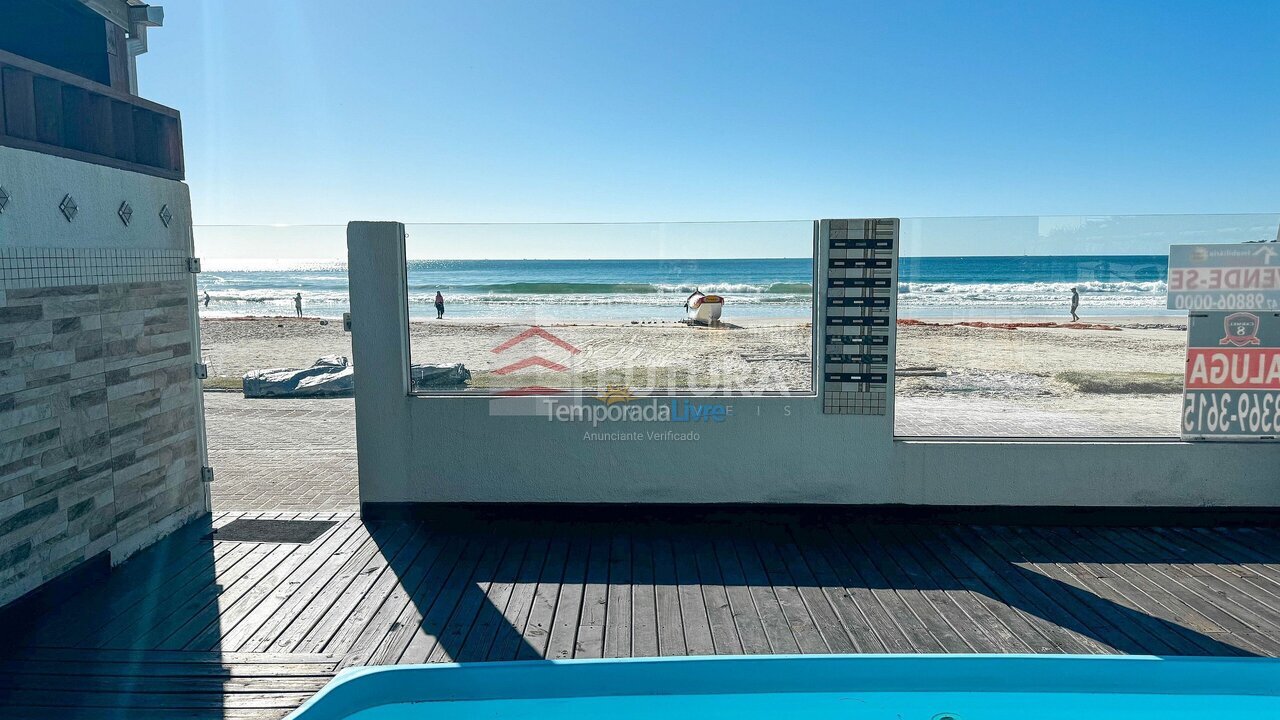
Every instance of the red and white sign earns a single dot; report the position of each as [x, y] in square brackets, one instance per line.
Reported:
[1233, 368]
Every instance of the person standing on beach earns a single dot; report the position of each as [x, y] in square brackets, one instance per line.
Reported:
[439, 306]
[1075, 304]
[206, 298]
[297, 303]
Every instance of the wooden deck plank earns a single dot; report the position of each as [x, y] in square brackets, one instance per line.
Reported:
[155, 622]
[360, 593]
[162, 685]
[595, 599]
[239, 585]
[127, 713]
[162, 701]
[858, 605]
[179, 594]
[897, 613]
[1109, 582]
[564, 628]
[383, 539]
[424, 633]
[1225, 548]
[715, 598]
[617, 631]
[644, 602]
[510, 640]
[1143, 588]
[1036, 594]
[414, 633]
[69, 671]
[237, 637]
[746, 618]
[982, 630]
[1215, 601]
[409, 599]
[1026, 635]
[1012, 589]
[405, 568]
[1078, 593]
[262, 587]
[271, 628]
[140, 658]
[473, 599]
[850, 616]
[537, 631]
[945, 622]
[1263, 581]
[491, 612]
[768, 609]
[804, 626]
[401, 592]
[694, 616]
[666, 593]
[1162, 587]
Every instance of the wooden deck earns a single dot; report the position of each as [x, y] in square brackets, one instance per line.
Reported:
[198, 628]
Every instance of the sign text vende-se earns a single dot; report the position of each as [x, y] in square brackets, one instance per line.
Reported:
[1224, 277]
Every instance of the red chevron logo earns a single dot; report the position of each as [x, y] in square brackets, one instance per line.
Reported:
[535, 332]
[530, 362]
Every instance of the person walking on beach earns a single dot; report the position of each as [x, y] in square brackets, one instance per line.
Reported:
[1075, 304]
[297, 303]
[439, 306]
[206, 298]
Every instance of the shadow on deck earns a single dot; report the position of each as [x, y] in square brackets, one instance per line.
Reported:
[196, 627]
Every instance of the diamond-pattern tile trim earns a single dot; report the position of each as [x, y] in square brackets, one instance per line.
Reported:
[166, 217]
[69, 208]
[125, 212]
[4, 199]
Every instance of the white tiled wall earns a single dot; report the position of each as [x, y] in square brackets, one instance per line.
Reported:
[27, 267]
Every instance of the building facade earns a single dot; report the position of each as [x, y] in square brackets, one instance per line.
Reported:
[101, 430]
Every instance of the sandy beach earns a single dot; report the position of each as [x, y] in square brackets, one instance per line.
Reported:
[757, 355]
[1115, 374]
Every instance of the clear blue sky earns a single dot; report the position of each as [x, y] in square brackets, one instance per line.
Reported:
[318, 112]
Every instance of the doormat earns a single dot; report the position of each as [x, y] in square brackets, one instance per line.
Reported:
[273, 531]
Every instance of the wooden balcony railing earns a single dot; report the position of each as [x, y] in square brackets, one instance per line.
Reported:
[51, 111]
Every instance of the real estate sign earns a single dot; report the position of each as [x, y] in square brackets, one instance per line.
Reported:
[1244, 276]
[1232, 385]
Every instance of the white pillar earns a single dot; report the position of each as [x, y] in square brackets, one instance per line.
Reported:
[380, 351]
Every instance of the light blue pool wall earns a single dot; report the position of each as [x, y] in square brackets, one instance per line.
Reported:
[868, 686]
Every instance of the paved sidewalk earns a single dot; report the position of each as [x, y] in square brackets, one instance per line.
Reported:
[282, 454]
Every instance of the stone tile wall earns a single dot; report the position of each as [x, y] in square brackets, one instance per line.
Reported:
[99, 418]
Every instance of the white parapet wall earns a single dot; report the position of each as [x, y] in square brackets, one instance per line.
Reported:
[810, 449]
[101, 427]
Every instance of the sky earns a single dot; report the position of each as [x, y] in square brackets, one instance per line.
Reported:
[316, 112]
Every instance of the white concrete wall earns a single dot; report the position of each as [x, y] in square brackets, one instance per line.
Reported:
[773, 449]
[37, 183]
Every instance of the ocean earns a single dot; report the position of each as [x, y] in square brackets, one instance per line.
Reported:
[647, 290]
